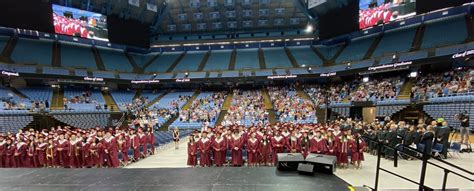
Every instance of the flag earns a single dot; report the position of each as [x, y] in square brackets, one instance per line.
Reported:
[151, 7]
[134, 2]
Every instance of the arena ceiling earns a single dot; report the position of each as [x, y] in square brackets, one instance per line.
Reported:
[210, 16]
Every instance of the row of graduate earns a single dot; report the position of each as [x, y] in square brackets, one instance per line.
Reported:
[70, 148]
[208, 148]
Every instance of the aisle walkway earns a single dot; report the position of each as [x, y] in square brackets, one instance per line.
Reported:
[166, 157]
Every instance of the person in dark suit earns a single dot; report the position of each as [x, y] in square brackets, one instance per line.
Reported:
[442, 137]
[392, 141]
[427, 140]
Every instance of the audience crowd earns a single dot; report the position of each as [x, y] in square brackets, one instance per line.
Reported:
[205, 109]
[290, 106]
[247, 107]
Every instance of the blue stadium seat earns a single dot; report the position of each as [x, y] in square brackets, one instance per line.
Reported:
[190, 61]
[142, 59]
[33, 51]
[435, 32]
[329, 51]
[163, 62]
[3, 42]
[247, 59]
[218, 60]
[395, 41]
[276, 58]
[115, 60]
[305, 56]
[356, 49]
[77, 56]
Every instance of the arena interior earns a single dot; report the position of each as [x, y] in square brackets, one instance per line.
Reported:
[236, 94]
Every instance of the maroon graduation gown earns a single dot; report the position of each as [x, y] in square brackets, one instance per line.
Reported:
[192, 150]
[318, 146]
[357, 153]
[252, 151]
[3, 151]
[342, 149]
[277, 147]
[135, 144]
[205, 150]
[236, 145]
[63, 153]
[111, 152]
[265, 151]
[41, 153]
[219, 150]
[20, 155]
[10, 156]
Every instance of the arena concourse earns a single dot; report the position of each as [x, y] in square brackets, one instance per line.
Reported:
[236, 95]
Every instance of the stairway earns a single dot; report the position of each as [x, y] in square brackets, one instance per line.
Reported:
[57, 103]
[261, 59]
[272, 117]
[136, 69]
[373, 46]
[138, 94]
[56, 57]
[150, 62]
[18, 93]
[170, 121]
[204, 61]
[233, 57]
[98, 59]
[225, 106]
[411, 113]
[292, 58]
[405, 90]
[109, 100]
[176, 62]
[418, 39]
[8, 50]
[157, 99]
[321, 115]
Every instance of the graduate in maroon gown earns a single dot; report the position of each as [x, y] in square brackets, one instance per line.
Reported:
[123, 146]
[252, 150]
[30, 153]
[151, 140]
[135, 144]
[111, 150]
[41, 151]
[318, 144]
[358, 147]
[20, 153]
[143, 143]
[265, 151]
[75, 152]
[219, 149]
[204, 146]
[343, 148]
[331, 143]
[10, 154]
[63, 151]
[294, 145]
[305, 142]
[192, 150]
[94, 149]
[51, 153]
[278, 146]
[3, 151]
[236, 145]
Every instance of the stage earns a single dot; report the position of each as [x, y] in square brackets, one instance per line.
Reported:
[227, 178]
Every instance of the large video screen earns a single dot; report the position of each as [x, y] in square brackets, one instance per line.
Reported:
[375, 12]
[79, 23]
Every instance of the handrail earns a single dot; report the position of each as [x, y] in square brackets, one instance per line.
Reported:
[424, 158]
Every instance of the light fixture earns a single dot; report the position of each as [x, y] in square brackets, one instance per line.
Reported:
[394, 56]
[309, 28]
[365, 79]
[303, 65]
[413, 74]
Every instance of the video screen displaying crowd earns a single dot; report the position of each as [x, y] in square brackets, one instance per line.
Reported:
[344, 138]
[65, 147]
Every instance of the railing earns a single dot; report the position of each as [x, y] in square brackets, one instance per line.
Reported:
[424, 157]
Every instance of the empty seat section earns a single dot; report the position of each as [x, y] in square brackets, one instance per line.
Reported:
[33, 51]
[37, 93]
[82, 100]
[276, 58]
[13, 123]
[3, 42]
[395, 41]
[218, 60]
[163, 62]
[123, 98]
[142, 59]
[305, 56]
[84, 120]
[356, 50]
[329, 51]
[445, 32]
[115, 60]
[190, 61]
[77, 56]
[247, 59]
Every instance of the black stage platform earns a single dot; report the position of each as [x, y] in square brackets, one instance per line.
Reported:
[225, 179]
